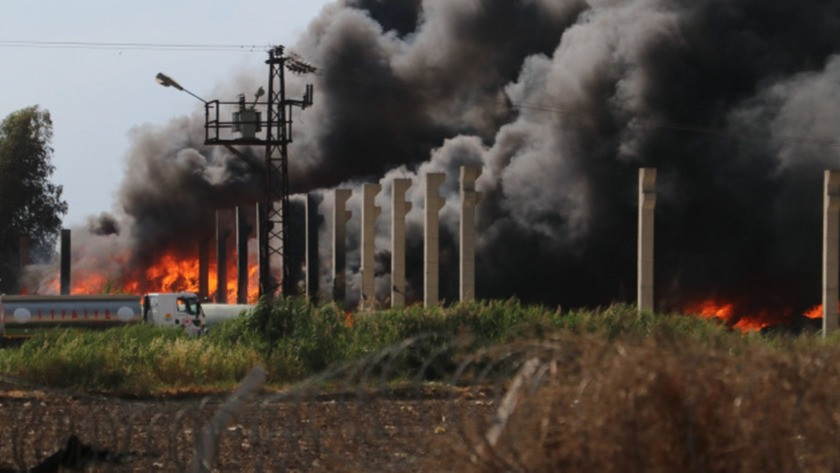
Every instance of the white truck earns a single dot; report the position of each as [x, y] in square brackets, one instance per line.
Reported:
[21, 316]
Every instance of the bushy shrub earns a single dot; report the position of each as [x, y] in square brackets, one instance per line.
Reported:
[294, 337]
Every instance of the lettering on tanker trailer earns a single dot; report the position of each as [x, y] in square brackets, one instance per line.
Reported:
[21, 315]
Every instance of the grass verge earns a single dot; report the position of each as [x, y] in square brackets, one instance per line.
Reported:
[294, 339]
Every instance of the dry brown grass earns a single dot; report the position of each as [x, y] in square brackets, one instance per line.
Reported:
[648, 406]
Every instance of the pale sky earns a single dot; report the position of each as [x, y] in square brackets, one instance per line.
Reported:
[97, 93]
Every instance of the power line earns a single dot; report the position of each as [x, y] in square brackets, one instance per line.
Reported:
[366, 80]
[93, 45]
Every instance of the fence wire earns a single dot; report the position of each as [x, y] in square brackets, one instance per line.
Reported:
[579, 404]
[352, 417]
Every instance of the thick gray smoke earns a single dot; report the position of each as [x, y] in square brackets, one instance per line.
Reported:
[561, 101]
[174, 184]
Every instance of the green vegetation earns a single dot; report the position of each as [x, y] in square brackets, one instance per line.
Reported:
[30, 204]
[294, 339]
[137, 359]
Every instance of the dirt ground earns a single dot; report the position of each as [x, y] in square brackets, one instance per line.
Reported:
[338, 432]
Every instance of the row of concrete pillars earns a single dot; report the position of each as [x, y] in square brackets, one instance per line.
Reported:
[243, 226]
[433, 203]
[399, 208]
[244, 218]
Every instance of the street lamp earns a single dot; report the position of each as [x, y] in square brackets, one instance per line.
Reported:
[167, 81]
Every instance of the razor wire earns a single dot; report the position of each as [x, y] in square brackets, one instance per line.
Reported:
[527, 406]
[352, 417]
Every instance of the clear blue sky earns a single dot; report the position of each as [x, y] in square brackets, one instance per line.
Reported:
[97, 94]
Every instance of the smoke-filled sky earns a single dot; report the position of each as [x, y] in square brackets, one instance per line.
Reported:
[560, 101]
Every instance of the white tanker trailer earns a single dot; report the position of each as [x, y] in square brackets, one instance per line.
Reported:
[21, 316]
[215, 314]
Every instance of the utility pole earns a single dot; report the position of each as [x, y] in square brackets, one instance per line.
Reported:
[274, 219]
[247, 121]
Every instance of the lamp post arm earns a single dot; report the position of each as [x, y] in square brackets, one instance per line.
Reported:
[167, 81]
[196, 96]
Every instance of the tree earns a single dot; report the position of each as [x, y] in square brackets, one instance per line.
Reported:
[30, 205]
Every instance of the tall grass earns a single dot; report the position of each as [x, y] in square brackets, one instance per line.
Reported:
[297, 339]
[293, 339]
[137, 359]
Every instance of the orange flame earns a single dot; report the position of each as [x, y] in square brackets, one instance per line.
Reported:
[744, 320]
[725, 312]
[170, 273]
[815, 312]
[712, 309]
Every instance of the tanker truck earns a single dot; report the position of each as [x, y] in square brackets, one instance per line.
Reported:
[21, 316]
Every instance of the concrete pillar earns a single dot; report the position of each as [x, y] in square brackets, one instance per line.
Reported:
[831, 240]
[647, 203]
[264, 279]
[340, 217]
[469, 200]
[65, 261]
[221, 258]
[267, 262]
[369, 213]
[313, 222]
[431, 240]
[399, 207]
[243, 232]
[294, 249]
[203, 268]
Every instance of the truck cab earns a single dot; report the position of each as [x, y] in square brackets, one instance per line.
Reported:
[179, 309]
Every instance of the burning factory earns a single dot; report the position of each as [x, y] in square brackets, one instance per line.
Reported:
[553, 106]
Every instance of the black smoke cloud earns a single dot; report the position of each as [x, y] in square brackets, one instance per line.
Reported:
[561, 101]
[174, 184]
[389, 94]
[166, 205]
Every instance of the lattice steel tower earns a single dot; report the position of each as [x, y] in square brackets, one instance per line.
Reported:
[274, 221]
